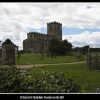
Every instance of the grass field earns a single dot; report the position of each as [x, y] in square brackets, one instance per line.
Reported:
[36, 59]
[87, 79]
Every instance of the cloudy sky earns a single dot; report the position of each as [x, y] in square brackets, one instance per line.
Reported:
[80, 21]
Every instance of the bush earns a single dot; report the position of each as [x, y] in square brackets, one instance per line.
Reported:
[55, 83]
[16, 80]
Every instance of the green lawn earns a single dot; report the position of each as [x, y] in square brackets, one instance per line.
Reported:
[36, 59]
[88, 80]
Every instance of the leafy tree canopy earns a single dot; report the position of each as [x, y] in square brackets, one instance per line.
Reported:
[59, 47]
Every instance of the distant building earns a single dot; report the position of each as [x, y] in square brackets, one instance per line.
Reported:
[37, 42]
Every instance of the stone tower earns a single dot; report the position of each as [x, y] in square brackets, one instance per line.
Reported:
[55, 28]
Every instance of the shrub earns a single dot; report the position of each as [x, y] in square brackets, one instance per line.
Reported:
[16, 80]
[13, 79]
[55, 83]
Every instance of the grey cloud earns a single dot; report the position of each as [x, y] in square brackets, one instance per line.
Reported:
[5, 29]
[16, 18]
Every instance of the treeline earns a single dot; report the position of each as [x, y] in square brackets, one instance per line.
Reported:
[94, 49]
[85, 49]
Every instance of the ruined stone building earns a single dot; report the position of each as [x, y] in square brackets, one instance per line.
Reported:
[37, 42]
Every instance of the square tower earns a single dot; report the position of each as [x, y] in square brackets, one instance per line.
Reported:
[55, 28]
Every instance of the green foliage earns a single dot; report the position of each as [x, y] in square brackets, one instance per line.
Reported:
[89, 80]
[54, 45]
[59, 47]
[14, 80]
[65, 46]
[94, 49]
[83, 49]
[55, 83]
[38, 79]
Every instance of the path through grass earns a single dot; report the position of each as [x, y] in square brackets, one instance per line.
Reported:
[35, 59]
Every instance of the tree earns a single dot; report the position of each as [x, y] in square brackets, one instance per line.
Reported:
[59, 47]
[65, 47]
[54, 45]
[76, 49]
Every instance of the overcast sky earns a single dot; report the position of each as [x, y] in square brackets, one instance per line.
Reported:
[80, 21]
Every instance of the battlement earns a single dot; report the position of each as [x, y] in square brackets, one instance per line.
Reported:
[36, 33]
[54, 23]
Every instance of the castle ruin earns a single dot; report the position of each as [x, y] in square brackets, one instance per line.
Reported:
[37, 42]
